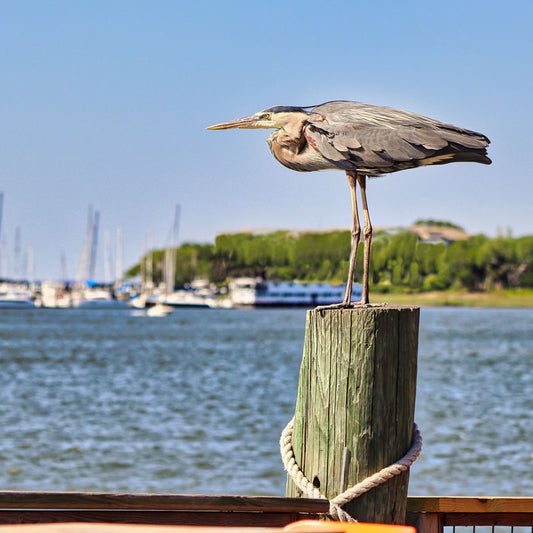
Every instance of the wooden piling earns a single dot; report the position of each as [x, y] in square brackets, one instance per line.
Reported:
[355, 406]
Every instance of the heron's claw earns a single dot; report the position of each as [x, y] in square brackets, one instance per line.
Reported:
[341, 305]
[350, 305]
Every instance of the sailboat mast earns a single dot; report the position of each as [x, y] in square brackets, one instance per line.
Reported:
[94, 245]
[107, 256]
[118, 255]
[2, 258]
[170, 253]
[84, 259]
[16, 257]
[1, 211]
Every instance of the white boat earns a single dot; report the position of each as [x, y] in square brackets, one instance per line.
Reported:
[256, 292]
[198, 294]
[188, 298]
[139, 301]
[55, 295]
[15, 296]
[159, 310]
[97, 298]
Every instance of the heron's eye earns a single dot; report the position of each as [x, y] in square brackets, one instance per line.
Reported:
[266, 116]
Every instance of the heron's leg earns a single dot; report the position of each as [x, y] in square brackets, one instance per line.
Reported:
[356, 233]
[367, 233]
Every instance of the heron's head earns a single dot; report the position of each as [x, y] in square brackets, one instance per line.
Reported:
[272, 118]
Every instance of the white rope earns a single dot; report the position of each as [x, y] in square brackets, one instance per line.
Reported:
[335, 509]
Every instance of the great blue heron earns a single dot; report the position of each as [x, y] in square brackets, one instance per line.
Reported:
[364, 141]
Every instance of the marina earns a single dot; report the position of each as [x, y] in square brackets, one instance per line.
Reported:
[240, 292]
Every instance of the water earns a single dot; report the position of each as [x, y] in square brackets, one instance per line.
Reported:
[195, 402]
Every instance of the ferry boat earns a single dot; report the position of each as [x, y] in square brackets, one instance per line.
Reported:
[257, 292]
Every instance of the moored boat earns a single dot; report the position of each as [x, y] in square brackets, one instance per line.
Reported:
[97, 297]
[15, 295]
[257, 292]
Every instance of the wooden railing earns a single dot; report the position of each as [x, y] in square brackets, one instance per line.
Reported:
[427, 514]
[176, 509]
[430, 514]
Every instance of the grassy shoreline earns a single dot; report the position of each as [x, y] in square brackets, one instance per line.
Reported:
[509, 298]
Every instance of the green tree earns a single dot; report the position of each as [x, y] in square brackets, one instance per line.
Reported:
[397, 260]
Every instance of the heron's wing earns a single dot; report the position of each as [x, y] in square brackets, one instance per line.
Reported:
[358, 136]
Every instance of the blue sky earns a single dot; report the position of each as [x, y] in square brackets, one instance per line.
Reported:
[106, 104]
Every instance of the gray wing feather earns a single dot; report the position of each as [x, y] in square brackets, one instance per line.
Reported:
[353, 135]
[343, 156]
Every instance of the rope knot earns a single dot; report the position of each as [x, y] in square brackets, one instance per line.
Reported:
[335, 505]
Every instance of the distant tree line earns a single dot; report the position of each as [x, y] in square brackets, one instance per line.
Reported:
[398, 261]
[436, 223]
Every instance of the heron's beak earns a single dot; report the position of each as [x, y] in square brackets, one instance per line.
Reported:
[245, 122]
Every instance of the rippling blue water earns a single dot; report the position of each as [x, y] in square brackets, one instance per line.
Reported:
[195, 402]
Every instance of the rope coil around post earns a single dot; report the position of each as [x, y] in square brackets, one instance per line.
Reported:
[335, 504]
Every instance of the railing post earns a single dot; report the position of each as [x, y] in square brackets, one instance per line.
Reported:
[426, 522]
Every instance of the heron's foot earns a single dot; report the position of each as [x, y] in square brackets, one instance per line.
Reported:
[333, 306]
[341, 305]
[350, 305]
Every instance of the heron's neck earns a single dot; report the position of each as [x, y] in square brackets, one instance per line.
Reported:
[293, 124]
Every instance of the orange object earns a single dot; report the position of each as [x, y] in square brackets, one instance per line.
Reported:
[323, 526]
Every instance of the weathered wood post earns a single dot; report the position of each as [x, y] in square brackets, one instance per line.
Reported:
[357, 391]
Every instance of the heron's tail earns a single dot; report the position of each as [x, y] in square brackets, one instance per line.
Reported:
[472, 156]
[463, 146]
